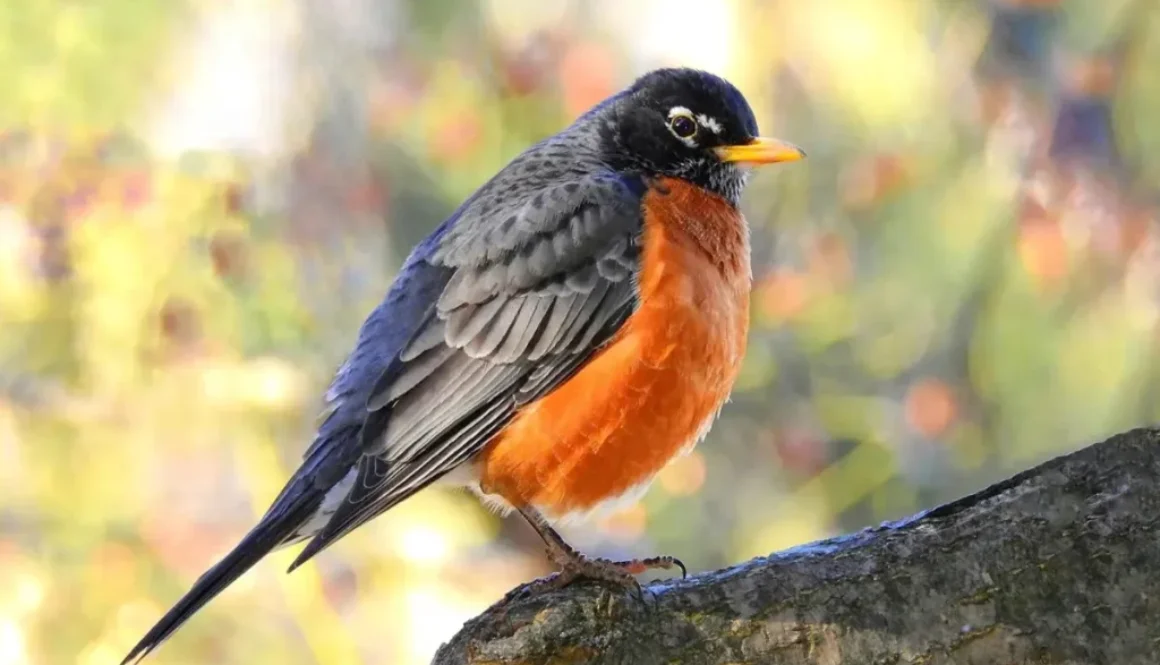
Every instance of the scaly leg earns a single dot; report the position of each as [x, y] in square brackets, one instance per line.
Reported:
[574, 565]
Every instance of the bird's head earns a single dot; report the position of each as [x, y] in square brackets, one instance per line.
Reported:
[688, 124]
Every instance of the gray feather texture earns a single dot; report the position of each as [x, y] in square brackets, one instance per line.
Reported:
[535, 275]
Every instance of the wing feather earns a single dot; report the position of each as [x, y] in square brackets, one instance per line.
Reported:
[527, 302]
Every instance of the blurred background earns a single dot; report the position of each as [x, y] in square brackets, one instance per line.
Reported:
[201, 200]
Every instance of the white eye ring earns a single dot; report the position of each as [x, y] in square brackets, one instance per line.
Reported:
[683, 125]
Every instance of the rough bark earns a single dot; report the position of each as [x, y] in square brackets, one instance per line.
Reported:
[1057, 565]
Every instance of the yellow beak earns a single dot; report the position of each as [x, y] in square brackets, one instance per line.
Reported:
[761, 151]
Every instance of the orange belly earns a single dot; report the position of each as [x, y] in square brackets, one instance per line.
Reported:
[653, 391]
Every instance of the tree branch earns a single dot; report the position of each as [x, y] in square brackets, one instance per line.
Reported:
[1058, 565]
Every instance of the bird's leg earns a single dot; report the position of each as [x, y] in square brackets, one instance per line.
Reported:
[574, 565]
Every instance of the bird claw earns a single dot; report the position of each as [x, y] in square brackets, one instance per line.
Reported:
[617, 573]
[574, 566]
[638, 566]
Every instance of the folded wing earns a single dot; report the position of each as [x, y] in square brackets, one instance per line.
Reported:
[532, 293]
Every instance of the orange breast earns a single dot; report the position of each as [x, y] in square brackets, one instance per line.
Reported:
[653, 391]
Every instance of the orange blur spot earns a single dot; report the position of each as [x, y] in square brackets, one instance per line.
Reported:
[830, 259]
[457, 137]
[586, 76]
[931, 407]
[870, 180]
[783, 295]
[628, 523]
[684, 476]
[1043, 252]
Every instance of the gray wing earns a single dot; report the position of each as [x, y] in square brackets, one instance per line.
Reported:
[528, 293]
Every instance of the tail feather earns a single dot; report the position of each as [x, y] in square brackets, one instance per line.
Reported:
[275, 529]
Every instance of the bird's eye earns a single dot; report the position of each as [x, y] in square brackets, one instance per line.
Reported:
[684, 126]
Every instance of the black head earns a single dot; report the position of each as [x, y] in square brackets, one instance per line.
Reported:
[688, 124]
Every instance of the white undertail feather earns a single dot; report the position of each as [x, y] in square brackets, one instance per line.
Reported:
[330, 503]
[605, 508]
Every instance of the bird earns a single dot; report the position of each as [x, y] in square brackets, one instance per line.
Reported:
[577, 323]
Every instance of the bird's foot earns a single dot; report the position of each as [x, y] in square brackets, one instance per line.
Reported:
[576, 567]
[639, 566]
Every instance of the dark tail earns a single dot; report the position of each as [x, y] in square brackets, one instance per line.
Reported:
[272, 531]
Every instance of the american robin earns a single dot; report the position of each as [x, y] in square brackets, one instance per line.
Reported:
[577, 323]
